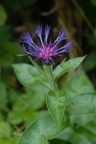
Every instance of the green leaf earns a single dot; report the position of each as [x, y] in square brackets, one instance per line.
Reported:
[24, 107]
[29, 101]
[67, 66]
[56, 102]
[81, 120]
[16, 117]
[26, 117]
[79, 139]
[30, 77]
[41, 130]
[5, 130]
[3, 15]
[66, 134]
[82, 104]
[91, 126]
[37, 116]
[87, 134]
[79, 84]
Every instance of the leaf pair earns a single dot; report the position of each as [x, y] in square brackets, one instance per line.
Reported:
[29, 76]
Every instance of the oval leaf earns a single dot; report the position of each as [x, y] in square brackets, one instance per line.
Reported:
[30, 77]
[78, 84]
[67, 66]
[91, 126]
[77, 138]
[87, 134]
[56, 102]
[41, 130]
[82, 104]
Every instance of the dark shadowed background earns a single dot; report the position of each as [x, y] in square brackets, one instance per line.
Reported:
[76, 17]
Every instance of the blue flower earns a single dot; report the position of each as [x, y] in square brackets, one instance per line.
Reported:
[44, 50]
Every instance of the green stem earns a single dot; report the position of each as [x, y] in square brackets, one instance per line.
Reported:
[49, 74]
[36, 65]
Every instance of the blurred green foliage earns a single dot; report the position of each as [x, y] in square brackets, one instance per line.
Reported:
[21, 106]
[3, 15]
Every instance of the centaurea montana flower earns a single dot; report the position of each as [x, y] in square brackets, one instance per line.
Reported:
[45, 50]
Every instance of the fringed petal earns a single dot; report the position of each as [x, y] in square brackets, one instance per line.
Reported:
[47, 30]
[26, 38]
[61, 36]
[65, 47]
[39, 33]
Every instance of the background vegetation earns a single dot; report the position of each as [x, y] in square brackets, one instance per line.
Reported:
[20, 106]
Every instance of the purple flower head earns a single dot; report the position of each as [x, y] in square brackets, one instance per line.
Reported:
[44, 50]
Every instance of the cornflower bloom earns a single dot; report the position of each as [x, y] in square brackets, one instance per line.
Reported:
[44, 50]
